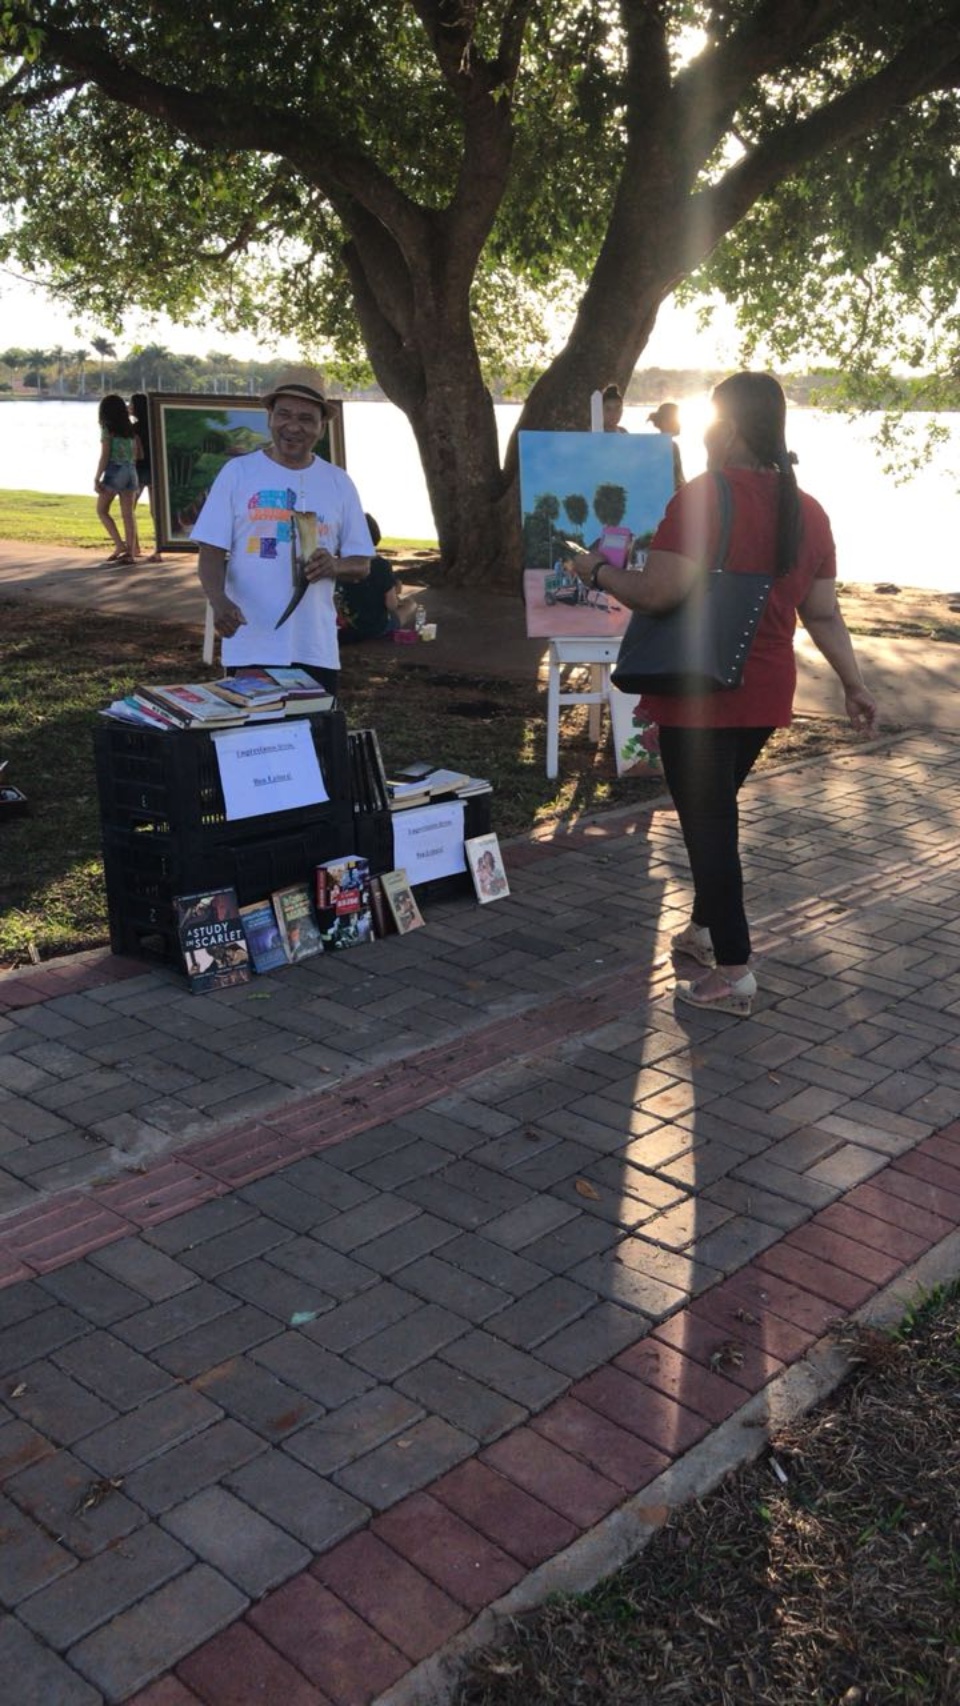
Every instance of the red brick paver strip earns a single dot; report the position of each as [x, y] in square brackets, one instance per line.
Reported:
[337, 1651]
[399, 1601]
[468, 1567]
[239, 1667]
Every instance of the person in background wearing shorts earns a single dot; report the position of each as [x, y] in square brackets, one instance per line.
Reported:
[116, 476]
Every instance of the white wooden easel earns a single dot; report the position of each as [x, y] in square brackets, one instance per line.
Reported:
[597, 656]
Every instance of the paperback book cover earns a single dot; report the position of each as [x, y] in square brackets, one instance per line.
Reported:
[193, 702]
[214, 947]
[383, 924]
[248, 688]
[267, 948]
[343, 902]
[404, 909]
[301, 691]
[486, 867]
[297, 921]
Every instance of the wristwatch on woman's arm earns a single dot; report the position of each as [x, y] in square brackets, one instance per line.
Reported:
[595, 575]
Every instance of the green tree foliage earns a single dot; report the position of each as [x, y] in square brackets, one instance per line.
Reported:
[408, 181]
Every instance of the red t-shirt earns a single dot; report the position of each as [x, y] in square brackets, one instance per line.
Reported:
[691, 527]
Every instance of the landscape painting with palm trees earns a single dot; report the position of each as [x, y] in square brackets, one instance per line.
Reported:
[574, 484]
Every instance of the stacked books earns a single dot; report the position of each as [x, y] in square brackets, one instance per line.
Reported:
[420, 785]
[252, 695]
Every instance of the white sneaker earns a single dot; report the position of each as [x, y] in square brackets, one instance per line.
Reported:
[735, 995]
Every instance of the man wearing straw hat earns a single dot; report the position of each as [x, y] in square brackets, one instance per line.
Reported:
[279, 527]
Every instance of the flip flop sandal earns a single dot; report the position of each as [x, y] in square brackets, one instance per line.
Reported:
[735, 995]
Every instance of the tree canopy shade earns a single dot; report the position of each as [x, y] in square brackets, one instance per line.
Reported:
[394, 176]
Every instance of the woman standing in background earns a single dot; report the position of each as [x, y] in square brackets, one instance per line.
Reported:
[116, 475]
[666, 419]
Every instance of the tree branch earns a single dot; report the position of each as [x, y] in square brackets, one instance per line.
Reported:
[709, 90]
[17, 91]
[928, 64]
[214, 119]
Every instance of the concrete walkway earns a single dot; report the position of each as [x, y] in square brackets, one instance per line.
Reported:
[344, 1312]
[339, 1307]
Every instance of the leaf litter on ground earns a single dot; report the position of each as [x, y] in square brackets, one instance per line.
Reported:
[833, 1583]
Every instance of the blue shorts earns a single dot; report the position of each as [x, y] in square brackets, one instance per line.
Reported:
[120, 477]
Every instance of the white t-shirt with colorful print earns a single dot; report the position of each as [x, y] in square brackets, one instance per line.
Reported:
[248, 513]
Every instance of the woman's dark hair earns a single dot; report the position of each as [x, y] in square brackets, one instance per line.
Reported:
[114, 416]
[140, 410]
[756, 405]
[612, 394]
[372, 528]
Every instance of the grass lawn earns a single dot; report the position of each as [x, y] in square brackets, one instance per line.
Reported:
[49, 518]
[825, 1574]
[60, 666]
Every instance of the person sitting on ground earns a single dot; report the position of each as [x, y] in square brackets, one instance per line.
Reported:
[116, 475]
[373, 608]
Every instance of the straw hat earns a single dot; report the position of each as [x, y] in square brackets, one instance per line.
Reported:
[299, 382]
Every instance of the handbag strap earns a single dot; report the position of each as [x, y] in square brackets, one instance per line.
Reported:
[725, 502]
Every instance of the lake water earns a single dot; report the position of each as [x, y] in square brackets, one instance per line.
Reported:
[908, 534]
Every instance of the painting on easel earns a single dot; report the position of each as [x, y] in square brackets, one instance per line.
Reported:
[587, 491]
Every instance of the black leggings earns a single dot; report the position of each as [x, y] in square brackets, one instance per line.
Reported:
[704, 770]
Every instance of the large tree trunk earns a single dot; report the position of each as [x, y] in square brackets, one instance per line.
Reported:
[417, 330]
[420, 341]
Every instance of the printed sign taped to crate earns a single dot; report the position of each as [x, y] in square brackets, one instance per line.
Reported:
[428, 841]
[268, 767]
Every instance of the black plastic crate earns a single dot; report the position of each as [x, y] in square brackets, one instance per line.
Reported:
[168, 781]
[373, 840]
[143, 872]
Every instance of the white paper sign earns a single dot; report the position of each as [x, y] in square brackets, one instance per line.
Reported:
[428, 841]
[268, 767]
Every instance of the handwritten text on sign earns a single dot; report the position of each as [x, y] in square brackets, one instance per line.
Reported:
[268, 767]
[428, 841]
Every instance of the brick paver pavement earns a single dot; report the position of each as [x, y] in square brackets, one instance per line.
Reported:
[336, 1307]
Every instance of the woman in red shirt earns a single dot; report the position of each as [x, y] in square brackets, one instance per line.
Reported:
[709, 742]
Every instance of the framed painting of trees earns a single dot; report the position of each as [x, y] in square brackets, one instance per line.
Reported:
[192, 437]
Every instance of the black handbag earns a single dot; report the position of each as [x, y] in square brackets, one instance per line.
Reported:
[702, 644]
